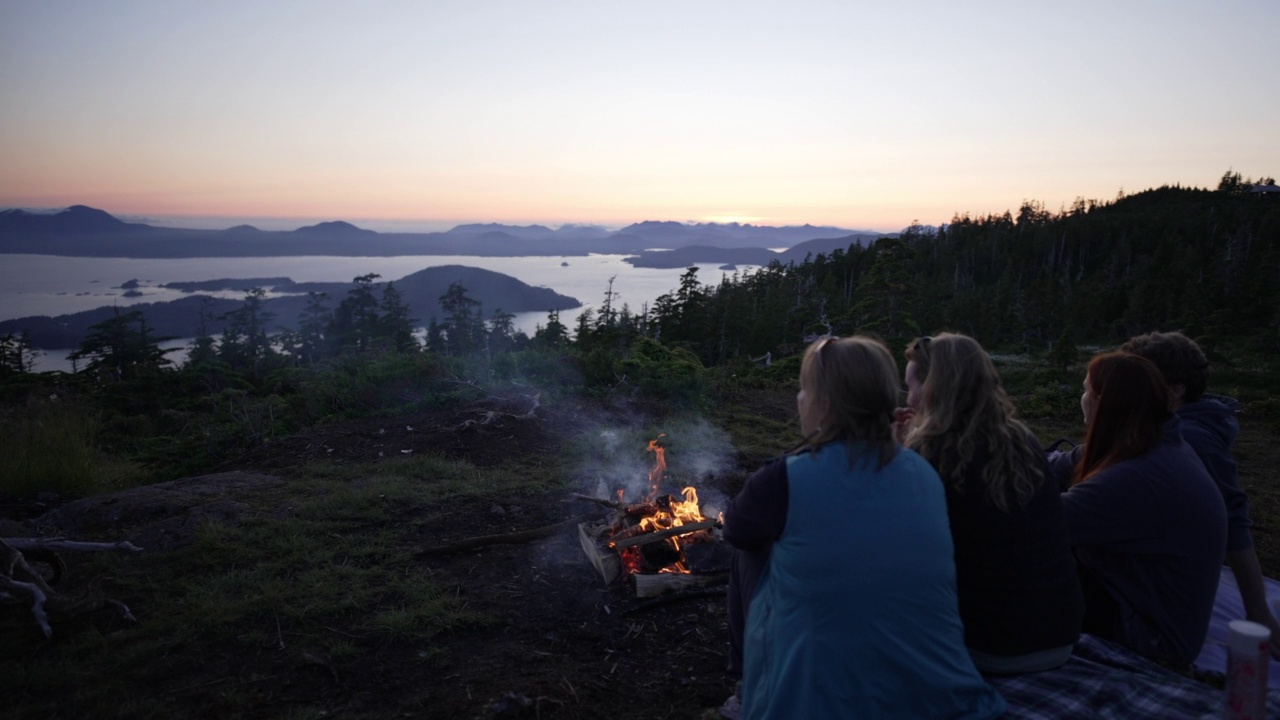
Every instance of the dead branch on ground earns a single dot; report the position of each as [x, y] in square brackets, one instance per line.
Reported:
[506, 538]
[21, 584]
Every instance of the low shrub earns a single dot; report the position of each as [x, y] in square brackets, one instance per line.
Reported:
[51, 444]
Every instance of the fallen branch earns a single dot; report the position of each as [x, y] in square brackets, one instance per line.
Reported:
[600, 501]
[18, 581]
[36, 597]
[514, 538]
[62, 544]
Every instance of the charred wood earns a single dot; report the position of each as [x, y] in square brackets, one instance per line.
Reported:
[657, 535]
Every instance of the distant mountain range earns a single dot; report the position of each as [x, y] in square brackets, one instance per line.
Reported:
[419, 291]
[689, 255]
[88, 232]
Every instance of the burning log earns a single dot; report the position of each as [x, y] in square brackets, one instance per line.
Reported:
[644, 538]
[647, 538]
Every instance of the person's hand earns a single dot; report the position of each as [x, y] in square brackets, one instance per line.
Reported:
[902, 418]
[1270, 622]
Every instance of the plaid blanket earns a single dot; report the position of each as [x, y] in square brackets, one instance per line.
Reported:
[1104, 680]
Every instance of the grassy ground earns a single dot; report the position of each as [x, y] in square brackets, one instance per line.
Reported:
[314, 601]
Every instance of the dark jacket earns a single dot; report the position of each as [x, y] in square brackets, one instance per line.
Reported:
[1015, 575]
[1209, 426]
[1153, 530]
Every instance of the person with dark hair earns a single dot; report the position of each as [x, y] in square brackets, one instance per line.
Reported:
[854, 612]
[1209, 426]
[1147, 523]
[1020, 598]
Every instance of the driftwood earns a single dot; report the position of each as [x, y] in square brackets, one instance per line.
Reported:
[505, 538]
[59, 544]
[489, 417]
[656, 535]
[20, 583]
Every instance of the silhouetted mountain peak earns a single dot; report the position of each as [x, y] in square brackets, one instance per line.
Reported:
[522, 232]
[335, 228]
[242, 229]
[75, 219]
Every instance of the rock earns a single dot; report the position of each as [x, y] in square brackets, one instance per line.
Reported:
[497, 510]
[163, 516]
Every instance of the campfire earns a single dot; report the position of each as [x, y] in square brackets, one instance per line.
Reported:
[646, 542]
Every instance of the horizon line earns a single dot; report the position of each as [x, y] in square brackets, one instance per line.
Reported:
[397, 225]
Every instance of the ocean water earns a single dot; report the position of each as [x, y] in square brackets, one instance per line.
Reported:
[55, 285]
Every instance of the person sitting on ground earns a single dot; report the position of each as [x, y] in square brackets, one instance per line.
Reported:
[1020, 598]
[1209, 426]
[1148, 526]
[855, 612]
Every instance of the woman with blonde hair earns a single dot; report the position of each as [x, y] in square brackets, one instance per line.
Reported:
[1020, 598]
[854, 613]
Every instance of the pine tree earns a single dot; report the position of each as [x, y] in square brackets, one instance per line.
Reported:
[463, 325]
[355, 322]
[121, 348]
[16, 355]
[246, 342]
[502, 332]
[886, 292]
[555, 334]
[395, 323]
[313, 323]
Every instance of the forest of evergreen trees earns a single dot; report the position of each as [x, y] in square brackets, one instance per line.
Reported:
[1204, 261]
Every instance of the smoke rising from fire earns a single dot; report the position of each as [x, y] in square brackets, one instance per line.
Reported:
[697, 453]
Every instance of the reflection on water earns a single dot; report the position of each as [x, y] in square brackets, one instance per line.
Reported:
[53, 285]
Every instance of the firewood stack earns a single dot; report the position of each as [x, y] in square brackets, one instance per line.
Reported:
[644, 543]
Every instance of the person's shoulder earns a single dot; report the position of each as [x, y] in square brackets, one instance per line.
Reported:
[1211, 418]
[906, 460]
[773, 468]
[1210, 410]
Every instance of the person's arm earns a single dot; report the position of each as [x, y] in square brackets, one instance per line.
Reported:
[1253, 591]
[1107, 508]
[758, 515]
[1062, 463]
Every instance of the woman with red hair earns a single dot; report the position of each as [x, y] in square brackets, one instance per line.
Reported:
[1147, 523]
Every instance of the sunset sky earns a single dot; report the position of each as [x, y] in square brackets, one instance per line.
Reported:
[864, 115]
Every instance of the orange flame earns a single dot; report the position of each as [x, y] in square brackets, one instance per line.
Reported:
[659, 467]
[668, 512]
